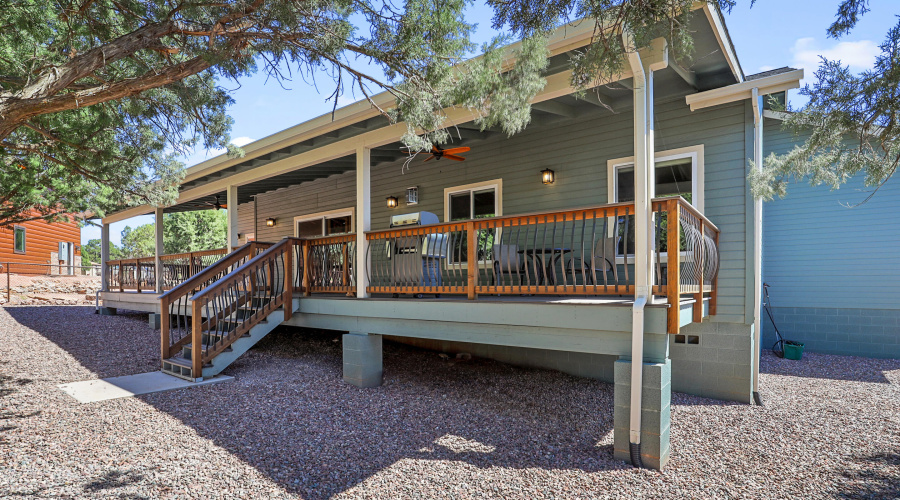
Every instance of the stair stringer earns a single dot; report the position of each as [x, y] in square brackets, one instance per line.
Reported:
[243, 344]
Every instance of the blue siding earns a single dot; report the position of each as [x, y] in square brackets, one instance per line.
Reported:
[834, 271]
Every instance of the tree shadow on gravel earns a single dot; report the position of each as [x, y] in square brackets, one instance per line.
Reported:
[831, 367]
[111, 480]
[878, 477]
[108, 346]
[10, 385]
[289, 414]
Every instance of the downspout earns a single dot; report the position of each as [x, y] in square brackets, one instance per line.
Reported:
[643, 154]
[757, 244]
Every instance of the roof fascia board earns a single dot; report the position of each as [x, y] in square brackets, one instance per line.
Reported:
[742, 91]
[565, 38]
[558, 85]
[718, 26]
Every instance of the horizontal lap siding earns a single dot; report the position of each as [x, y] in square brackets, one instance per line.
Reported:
[41, 238]
[818, 253]
[577, 150]
[245, 218]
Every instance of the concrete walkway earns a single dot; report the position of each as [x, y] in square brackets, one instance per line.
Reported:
[91, 391]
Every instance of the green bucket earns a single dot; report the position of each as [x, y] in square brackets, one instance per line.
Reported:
[793, 350]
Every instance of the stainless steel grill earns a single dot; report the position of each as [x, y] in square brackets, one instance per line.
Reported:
[416, 260]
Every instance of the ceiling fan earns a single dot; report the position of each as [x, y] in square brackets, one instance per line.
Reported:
[451, 154]
[216, 205]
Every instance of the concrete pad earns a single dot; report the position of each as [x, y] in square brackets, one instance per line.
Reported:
[91, 391]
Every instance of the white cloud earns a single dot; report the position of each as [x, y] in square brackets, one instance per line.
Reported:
[241, 141]
[763, 69]
[344, 100]
[807, 54]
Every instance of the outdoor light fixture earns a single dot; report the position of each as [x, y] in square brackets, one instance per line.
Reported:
[270, 222]
[392, 202]
[548, 176]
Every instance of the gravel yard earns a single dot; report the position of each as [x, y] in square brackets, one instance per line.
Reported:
[288, 427]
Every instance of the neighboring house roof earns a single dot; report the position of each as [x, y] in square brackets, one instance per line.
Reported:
[771, 72]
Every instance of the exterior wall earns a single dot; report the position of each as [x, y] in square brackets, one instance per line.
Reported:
[832, 270]
[245, 221]
[578, 150]
[41, 242]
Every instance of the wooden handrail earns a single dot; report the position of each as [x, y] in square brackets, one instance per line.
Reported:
[238, 254]
[246, 265]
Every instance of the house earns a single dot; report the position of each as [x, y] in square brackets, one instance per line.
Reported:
[41, 247]
[618, 226]
[829, 258]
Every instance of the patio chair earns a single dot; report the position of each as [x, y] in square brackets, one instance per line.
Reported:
[596, 264]
[507, 260]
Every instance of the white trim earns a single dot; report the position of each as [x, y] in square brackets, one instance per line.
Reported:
[696, 153]
[718, 26]
[742, 91]
[497, 184]
[330, 214]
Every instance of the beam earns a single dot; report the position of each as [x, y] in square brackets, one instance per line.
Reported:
[743, 91]
[556, 108]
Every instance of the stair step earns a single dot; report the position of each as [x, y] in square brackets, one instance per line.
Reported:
[186, 351]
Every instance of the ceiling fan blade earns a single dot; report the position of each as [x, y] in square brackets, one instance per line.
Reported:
[454, 157]
[223, 206]
[453, 151]
[429, 158]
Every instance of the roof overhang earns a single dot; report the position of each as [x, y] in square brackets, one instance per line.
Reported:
[745, 90]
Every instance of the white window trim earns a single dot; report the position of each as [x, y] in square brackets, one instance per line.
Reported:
[341, 212]
[497, 184]
[696, 153]
[24, 239]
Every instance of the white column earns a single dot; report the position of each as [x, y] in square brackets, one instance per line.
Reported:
[757, 237]
[363, 217]
[104, 256]
[232, 211]
[159, 249]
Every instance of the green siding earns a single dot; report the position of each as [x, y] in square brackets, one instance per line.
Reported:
[578, 150]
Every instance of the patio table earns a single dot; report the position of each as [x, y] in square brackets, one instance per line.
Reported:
[553, 256]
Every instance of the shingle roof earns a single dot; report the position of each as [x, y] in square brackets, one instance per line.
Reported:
[771, 72]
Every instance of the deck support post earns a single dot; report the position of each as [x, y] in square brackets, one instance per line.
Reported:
[104, 257]
[656, 417]
[362, 359]
[159, 250]
[231, 197]
[363, 218]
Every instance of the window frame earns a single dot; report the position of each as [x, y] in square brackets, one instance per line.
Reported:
[24, 239]
[323, 216]
[695, 153]
[497, 185]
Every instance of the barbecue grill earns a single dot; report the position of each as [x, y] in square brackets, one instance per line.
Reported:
[416, 260]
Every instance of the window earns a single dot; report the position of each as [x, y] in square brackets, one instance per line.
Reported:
[324, 224]
[19, 239]
[678, 172]
[473, 201]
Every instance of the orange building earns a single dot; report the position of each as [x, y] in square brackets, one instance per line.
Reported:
[40, 242]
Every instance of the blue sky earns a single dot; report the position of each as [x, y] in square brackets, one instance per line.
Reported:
[772, 34]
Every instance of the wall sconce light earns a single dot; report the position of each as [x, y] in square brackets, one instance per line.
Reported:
[548, 176]
[270, 222]
[392, 202]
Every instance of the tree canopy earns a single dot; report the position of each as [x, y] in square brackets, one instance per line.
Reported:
[99, 97]
[852, 121]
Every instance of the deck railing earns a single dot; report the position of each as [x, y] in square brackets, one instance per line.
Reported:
[330, 266]
[572, 252]
[139, 274]
[176, 304]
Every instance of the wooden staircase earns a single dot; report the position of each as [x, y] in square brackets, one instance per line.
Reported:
[218, 314]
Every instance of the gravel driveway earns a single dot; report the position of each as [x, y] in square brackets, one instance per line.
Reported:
[288, 427]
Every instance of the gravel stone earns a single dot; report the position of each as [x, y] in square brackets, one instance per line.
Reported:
[289, 427]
